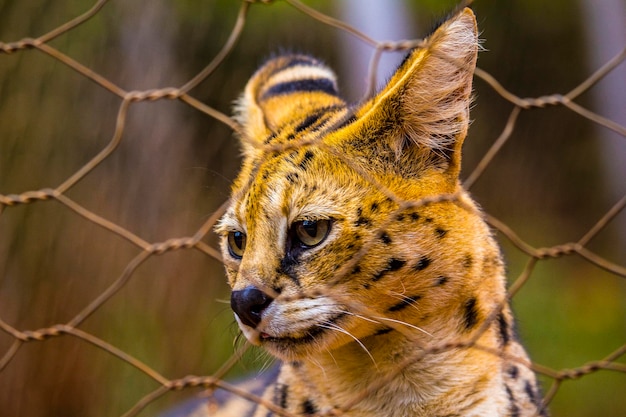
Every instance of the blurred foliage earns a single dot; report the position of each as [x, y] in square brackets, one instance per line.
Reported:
[174, 166]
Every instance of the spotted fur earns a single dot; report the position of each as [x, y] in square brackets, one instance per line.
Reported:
[373, 306]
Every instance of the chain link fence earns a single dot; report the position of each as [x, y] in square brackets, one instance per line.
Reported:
[85, 227]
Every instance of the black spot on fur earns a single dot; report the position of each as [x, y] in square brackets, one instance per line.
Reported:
[382, 331]
[374, 207]
[385, 238]
[513, 408]
[406, 301]
[440, 233]
[292, 177]
[422, 264]
[308, 408]
[361, 221]
[308, 122]
[428, 219]
[393, 265]
[400, 217]
[503, 328]
[441, 280]
[532, 393]
[513, 372]
[415, 216]
[270, 138]
[306, 159]
[470, 314]
[281, 394]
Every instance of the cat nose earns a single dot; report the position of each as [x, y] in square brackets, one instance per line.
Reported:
[249, 304]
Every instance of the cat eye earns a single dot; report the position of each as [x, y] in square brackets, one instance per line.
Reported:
[236, 244]
[311, 232]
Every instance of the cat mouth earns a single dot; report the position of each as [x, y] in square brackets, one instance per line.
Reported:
[290, 341]
[307, 336]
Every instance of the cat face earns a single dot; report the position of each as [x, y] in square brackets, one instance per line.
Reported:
[346, 221]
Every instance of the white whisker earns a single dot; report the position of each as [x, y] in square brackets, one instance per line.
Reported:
[330, 353]
[406, 324]
[268, 362]
[361, 316]
[332, 326]
[407, 300]
[316, 363]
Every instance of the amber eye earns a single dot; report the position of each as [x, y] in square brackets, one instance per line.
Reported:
[311, 232]
[236, 244]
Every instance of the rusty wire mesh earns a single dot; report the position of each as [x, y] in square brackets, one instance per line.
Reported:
[146, 249]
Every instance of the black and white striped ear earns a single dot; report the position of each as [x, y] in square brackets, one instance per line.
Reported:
[425, 106]
[286, 92]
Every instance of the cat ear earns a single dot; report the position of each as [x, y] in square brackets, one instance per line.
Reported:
[283, 95]
[424, 109]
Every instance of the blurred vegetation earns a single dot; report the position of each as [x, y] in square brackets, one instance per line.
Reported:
[173, 169]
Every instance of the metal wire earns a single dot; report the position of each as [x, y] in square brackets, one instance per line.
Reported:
[148, 249]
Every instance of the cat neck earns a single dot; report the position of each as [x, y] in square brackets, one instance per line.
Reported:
[390, 376]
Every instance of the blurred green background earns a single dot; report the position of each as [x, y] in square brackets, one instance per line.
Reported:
[557, 175]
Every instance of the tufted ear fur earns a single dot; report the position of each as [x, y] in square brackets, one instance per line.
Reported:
[424, 109]
[286, 94]
[421, 116]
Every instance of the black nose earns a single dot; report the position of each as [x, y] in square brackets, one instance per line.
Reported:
[249, 304]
